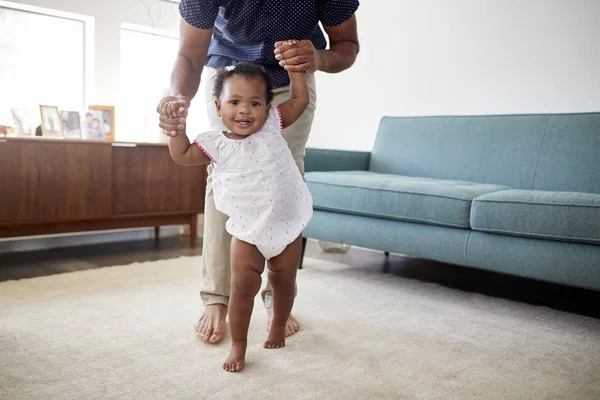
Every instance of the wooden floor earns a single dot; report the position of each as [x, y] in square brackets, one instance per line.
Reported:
[25, 265]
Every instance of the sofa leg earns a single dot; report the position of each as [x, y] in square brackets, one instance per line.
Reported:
[386, 266]
[302, 252]
[386, 263]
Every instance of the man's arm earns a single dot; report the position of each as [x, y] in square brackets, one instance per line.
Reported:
[343, 47]
[185, 78]
[303, 57]
[193, 50]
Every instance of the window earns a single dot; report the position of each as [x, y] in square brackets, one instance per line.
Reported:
[46, 57]
[147, 58]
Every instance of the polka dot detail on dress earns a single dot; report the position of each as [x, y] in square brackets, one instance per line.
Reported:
[259, 187]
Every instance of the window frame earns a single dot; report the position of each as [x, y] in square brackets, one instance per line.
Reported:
[148, 30]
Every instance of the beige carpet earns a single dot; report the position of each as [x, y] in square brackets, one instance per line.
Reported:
[125, 333]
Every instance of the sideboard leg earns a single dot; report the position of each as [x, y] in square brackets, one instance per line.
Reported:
[156, 236]
[193, 230]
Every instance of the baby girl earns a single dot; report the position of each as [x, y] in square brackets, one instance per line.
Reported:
[259, 187]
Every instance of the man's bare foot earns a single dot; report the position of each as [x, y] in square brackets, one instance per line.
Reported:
[292, 326]
[211, 326]
[237, 358]
[276, 339]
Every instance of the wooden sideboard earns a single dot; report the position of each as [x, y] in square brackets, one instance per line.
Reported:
[52, 186]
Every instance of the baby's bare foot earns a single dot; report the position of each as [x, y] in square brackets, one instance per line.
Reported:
[292, 326]
[237, 358]
[276, 339]
[211, 326]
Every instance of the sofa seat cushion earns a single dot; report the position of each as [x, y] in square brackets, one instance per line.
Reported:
[403, 198]
[564, 216]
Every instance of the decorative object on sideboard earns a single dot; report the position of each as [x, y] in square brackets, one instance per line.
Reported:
[23, 122]
[51, 122]
[99, 123]
[71, 121]
[6, 122]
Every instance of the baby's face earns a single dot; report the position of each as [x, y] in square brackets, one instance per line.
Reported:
[243, 106]
[95, 123]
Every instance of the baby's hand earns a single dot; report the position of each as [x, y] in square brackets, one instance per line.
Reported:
[173, 109]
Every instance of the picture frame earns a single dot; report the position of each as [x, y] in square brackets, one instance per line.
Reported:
[71, 122]
[103, 117]
[51, 122]
[23, 122]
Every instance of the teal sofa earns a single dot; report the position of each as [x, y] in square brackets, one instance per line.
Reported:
[517, 194]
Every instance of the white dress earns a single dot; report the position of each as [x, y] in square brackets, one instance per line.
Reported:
[257, 184]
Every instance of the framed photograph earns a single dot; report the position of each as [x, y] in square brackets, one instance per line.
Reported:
[71, 124]
[51, 122]
[100, 121]
[23, 122]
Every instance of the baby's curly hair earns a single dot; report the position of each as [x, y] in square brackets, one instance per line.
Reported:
[248, 70]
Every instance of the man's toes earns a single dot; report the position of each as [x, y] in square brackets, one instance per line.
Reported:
[215, 338]
[207, 334]
[238, 367]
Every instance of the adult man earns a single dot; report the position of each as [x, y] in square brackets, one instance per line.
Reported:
[217, 33]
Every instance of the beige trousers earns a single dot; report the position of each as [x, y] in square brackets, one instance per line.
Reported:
[216, 269]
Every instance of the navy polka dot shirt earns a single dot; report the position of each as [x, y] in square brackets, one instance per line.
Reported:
[246, 30]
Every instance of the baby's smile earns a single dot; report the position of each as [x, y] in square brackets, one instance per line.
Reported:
[243, 123]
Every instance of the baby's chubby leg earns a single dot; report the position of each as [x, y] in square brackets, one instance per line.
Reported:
[247, 264]
[282, 275]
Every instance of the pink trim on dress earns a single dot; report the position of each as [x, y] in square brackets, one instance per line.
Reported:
[205, 152]
[280, 120]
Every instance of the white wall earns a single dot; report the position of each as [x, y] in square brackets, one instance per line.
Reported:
[440, 57]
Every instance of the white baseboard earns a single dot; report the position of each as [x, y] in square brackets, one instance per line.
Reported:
[32, 243]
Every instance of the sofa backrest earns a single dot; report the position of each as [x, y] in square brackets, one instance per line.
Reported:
[520, 151]
[570, 154]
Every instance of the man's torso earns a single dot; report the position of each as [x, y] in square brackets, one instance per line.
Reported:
[248, 30]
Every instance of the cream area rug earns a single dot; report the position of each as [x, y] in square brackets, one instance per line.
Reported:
[126, 333]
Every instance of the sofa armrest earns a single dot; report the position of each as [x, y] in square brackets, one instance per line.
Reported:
[336, 160]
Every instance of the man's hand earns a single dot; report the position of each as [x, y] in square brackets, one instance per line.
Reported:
[297, 56]
[173, 112]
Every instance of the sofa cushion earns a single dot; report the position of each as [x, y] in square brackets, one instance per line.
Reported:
[404, 198]
[565, 216]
